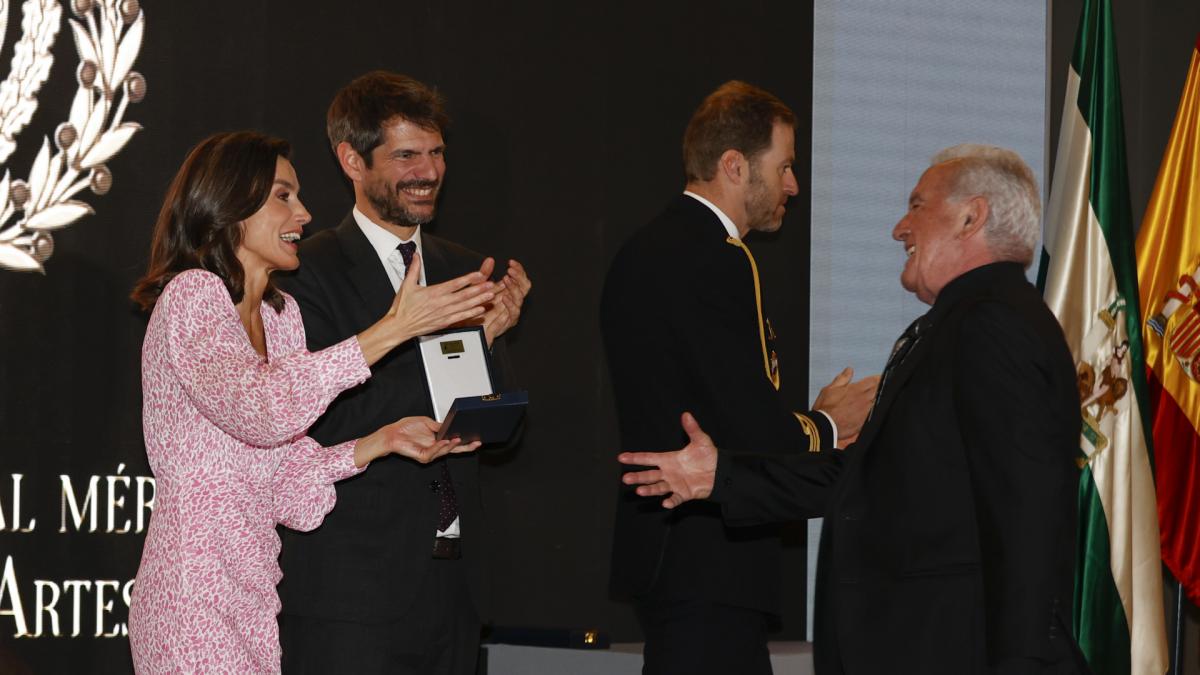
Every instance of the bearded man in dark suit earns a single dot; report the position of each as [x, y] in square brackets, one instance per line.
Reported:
[950, 524]
[394, 581]
[685, 328]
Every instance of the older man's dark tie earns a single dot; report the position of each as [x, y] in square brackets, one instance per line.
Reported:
[448, 508]
[900, 351]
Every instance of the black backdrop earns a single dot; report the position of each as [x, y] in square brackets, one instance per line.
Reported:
[567, 124]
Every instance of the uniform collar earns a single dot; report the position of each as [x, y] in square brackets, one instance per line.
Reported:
[725, 220]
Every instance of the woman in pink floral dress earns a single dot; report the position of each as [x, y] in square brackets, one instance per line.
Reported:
[228, 391]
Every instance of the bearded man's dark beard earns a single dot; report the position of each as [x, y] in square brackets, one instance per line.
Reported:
[391, 209]
[760, 210]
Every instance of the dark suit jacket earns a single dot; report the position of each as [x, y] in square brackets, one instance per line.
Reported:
[682, 331]
[949, 535]
[362, 563]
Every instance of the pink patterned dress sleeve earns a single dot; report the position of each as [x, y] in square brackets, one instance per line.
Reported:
[303, 485]
[224, 431]
[261, 403]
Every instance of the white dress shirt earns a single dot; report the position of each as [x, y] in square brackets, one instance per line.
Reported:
[385, 243]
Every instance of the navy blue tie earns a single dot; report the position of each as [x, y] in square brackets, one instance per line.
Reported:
[407, 249]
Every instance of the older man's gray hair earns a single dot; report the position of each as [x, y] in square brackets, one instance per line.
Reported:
[1003, 178]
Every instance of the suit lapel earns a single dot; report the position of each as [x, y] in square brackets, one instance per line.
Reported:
[956, 297]
[895, 384]
[365, 271]
[437, 268]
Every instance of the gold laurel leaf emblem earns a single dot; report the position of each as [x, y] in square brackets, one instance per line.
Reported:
[108, 39]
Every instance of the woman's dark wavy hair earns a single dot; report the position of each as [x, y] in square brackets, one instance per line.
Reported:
[225, 179]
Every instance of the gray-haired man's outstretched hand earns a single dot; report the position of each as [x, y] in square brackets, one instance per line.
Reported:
[684, 474]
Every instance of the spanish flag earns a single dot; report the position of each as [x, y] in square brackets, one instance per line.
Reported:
[1168, 265]
[1089, 280]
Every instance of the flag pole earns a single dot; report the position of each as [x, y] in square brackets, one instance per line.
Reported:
[1177, 651]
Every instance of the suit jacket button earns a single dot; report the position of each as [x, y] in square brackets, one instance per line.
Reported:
[433, 485]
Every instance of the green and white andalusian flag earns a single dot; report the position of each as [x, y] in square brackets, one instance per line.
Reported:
[1089, 280]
